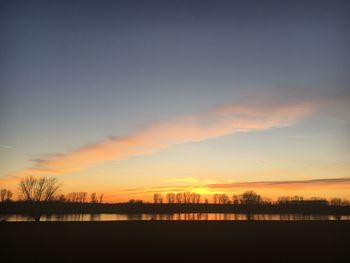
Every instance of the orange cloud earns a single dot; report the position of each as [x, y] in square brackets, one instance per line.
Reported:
[218, 121]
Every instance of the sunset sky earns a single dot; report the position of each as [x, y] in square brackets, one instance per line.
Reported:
[131, 98]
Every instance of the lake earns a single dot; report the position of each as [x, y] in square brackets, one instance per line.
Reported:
[176, 216]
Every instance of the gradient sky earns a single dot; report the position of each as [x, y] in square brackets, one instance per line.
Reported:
[129, 98]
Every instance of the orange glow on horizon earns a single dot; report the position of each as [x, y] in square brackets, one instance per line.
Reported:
[327, 188]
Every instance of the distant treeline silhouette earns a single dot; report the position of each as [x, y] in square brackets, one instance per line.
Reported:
[40, 196]
[45, 189]
[246, 198]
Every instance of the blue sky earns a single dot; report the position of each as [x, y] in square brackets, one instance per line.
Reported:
[75, 72]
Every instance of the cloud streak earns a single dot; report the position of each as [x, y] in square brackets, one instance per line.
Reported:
[297, 184]
[217, 121]
[5, 146]
[338, 183]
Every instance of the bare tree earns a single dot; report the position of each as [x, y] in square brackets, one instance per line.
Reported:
[77, 197]
[195, 198]
[157, 199]
[40, 189]
[250, 197]
[223, 199]
[235, 199]
[69, 197]
[296, 198]
[170, 198]
[336, 201]
[216, 198]
[93, 198]
[5, 195]
[179, 198]
[82, 197]
[198, 198]
[186, 196]
[283, 200]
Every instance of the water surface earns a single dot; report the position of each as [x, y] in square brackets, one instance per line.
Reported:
[177, 216]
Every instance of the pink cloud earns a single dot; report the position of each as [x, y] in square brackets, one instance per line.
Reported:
[218, 121]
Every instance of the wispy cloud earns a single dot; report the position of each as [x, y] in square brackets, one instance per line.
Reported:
[328, 182]
[190, 180]
[227, 187]
[217, 121]
[5, 146]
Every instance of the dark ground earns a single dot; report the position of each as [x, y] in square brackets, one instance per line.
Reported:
[180, 241]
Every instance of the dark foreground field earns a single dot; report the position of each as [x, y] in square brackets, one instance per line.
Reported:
[183, 241]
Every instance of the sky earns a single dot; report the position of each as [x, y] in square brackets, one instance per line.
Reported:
[130, 98]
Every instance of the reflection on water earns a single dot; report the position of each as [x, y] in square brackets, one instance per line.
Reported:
[180, 216]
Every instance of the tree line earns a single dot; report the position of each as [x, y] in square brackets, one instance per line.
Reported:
[246, 198]
[180, 198]
[45, 189]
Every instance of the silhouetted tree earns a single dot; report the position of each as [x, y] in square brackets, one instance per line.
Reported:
[198, 198]
[296, 198]
[179, 198]
[216, 198]
[157, 199]
[5, 195]
[93, 198]
[101, 198]
[77, 197]
[38, 189]
[70, 197]
[250, 197]
[82, 197]
[223, 199]
[195, 198]
[170, 198]
[186, 196]
[235, 199]
[283, 200]
[336, 201]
